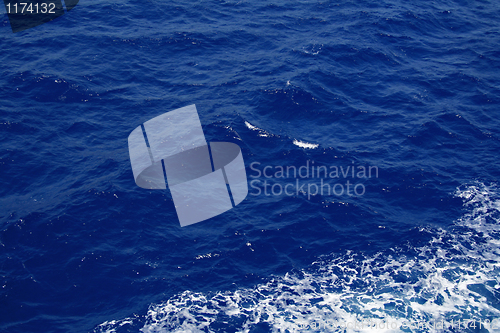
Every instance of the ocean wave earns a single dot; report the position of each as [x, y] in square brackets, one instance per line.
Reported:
[452, 279]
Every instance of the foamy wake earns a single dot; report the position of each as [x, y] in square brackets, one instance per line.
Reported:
[454, 279]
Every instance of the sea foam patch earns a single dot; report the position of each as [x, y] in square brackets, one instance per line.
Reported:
[450, 284]
[305, 145]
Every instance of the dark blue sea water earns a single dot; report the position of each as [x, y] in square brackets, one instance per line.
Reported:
[412, 90]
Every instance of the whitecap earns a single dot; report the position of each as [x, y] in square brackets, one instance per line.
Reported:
[261, 132]
[305, 145]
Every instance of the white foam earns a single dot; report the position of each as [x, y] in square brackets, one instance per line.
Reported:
[305, 145]
[453, 277]
[261, 132]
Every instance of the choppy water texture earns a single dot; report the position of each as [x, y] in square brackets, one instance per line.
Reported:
[412, 89]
